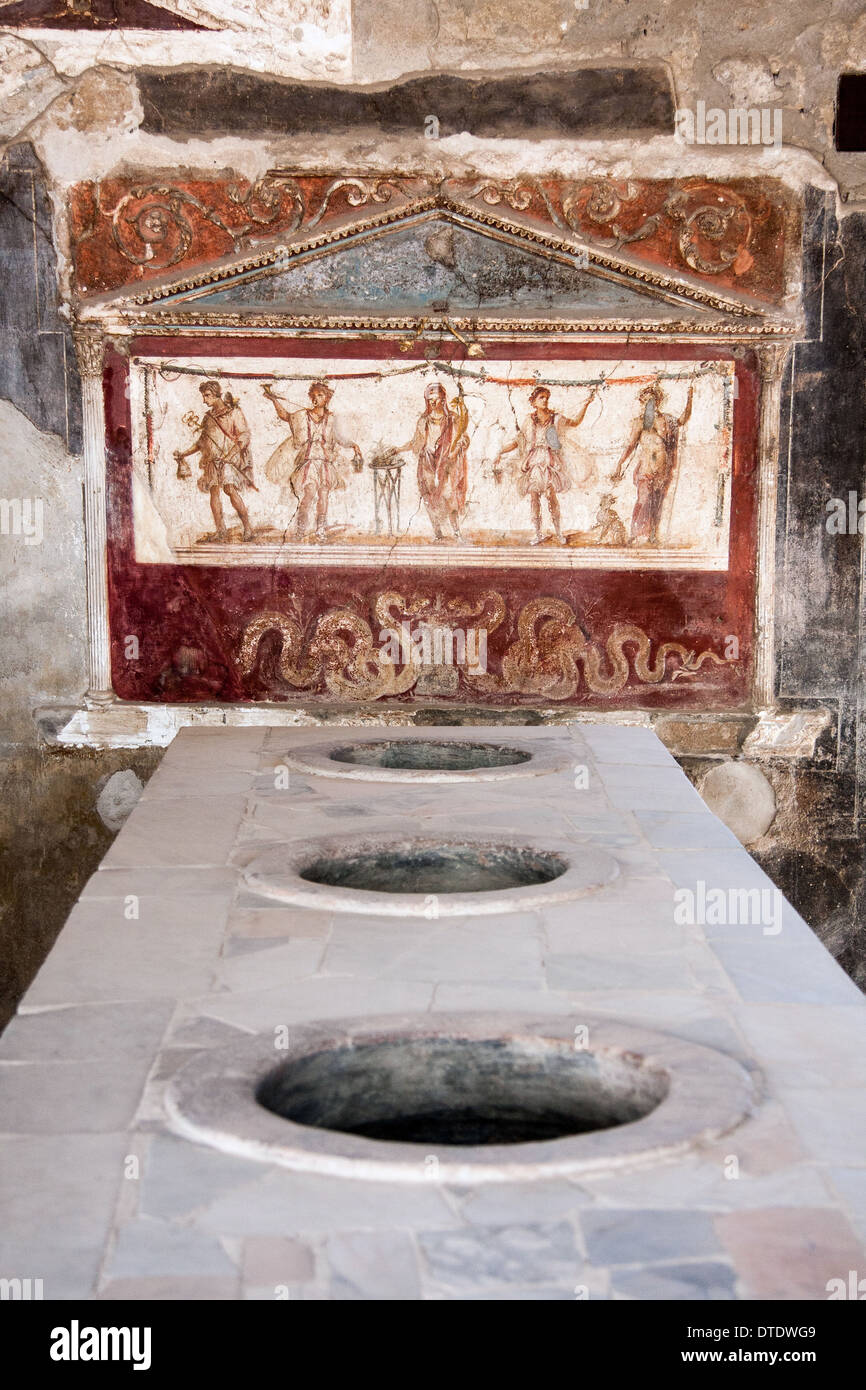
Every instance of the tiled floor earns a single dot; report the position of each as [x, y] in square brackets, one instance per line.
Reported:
[168, 954]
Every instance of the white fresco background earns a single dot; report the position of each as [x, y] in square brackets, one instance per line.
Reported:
[377, 404]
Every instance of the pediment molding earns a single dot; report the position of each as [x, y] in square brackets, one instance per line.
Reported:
[687, 330]
[171, 300]
[600, 262]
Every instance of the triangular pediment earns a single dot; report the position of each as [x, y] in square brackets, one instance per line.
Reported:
[434, 266]
[433, 260]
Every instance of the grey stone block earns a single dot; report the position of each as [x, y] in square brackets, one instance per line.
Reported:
[811, 1045]
[710, 1281]
[650, 788]
[661, 972]
[265, 962]
[171, 781]
[179, 1176]
[148, 1249]
[431, 951]
[291, 1204]
[703, 1183]
[500, 1204]
[96, 1096]
[673, 830]
[514, 996]
[276, 1262]
[512, 1294]
[831, 1121]
[317, 998]
[116, 884]
[850, 1183]
[193, 1030]
[180, 832]
[717, 868]
[169, 950]
[80, 1032]
[177, 1288]
[645, 1237]
[770, 970]
[58, 1194]
[520, 1254]
[373, 1265]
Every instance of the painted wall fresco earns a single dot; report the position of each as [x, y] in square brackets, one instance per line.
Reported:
[424, 265]
[317, 462]
[731, 236]
[91, 14]
[643, 598]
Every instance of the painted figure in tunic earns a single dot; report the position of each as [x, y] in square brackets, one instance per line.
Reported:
[223, 447]
[440, 444]
[654, 441]
[307, 465]
[543, 469]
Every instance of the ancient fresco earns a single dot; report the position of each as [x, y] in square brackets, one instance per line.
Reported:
[348, 657]
[309, 461]
[729, 236]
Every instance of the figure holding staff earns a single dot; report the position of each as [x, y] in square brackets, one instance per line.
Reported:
[543, 469]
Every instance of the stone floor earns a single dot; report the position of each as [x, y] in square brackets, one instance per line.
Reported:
[167, 953]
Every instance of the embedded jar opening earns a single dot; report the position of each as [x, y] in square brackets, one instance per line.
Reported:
[462, 1092]
[445, 868]
[427, 755]
[455, 875]
[495, 1098]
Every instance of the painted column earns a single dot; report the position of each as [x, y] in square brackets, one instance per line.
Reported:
[773, 360]
[89, 351]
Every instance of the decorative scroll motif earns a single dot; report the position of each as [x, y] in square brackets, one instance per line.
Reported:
[602, 201]
[148, 225]
[356, 192]
[488, 610]
[340, 657]
[159, 225]
[551, 648]
[266, 202]
[552, 657]
[153, 225]
[519, 195]
[599, 201]
[710, 226]
[715, 229]
[735, 234]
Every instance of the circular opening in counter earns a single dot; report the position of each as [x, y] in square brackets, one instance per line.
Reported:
[441, 868]
[462, 1098]
[429, 755]
[463, 1092]
[433, 758]
[456, 875]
